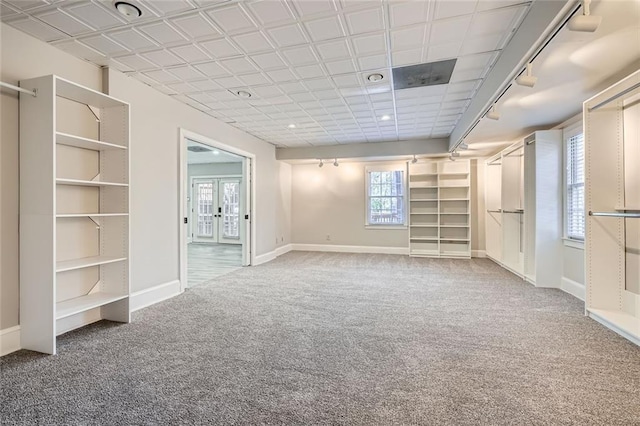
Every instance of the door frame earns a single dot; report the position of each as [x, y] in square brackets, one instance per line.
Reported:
[249, 164]
[191, 198]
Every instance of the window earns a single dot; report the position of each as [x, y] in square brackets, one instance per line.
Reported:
[385, 196]
[574, 177]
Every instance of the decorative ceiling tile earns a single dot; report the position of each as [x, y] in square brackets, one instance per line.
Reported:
[314, 7]
[94, 15]
[325, 29]
[162, 58]
[369, 44]
[269, 61]
[63, 22]
[301, 55]
[270, 12]
[289, 35]
[162, 33]
[232, 19]
[103, 45]
[253, 42]
[365, 21]
[190, 53]
[195, 26]
[212, 70]
[131, 39]
[38, 29]
[220, 48]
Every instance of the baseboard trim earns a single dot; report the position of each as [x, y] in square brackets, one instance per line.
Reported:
[150, 296]
[9, 340]
[573, 288]
[350, 249]
[479, 253]
[268, 257]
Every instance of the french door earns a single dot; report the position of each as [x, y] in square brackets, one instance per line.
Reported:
[216, 210]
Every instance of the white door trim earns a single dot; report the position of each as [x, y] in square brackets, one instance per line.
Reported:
[249, 240]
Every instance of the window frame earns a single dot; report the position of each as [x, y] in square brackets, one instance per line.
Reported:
[386, 168]
[568, 133]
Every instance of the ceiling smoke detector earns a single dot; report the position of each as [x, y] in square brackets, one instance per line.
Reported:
[375, 77]
[429, 74]
[127, 9]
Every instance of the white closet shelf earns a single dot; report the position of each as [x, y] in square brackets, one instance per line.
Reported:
[86, 143]
[455, 174]
[466, 213]
[423, 238]
[466, 186]
[423, 213]
[84, 303]
[78, 182]
[93, 215]
[454, 199]
[86, 262]
[424, 174]
[70, 90]
[416, 185]
[454, 226]
[464, 240]
[424, 252]
[455, 253]
[424, 199]
[435, 225]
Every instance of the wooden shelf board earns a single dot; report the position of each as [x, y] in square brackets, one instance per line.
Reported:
[86, 143]
[93, 215]
[75, 92]
[84, 303]
[78, 182]
[86, 262]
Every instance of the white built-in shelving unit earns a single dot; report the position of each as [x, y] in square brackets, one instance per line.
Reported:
[612, 198]
[439, 209]
[74, 212]
[523, 198]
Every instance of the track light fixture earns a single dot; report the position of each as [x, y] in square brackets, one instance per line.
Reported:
[585, 22]
[455, 154]
[321, 164]
[463, 145]
[493, 114]
[451, 157]
[415, 160]
[527, 79]
[335, 162]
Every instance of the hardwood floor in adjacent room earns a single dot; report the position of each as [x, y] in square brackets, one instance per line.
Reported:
[207, 261]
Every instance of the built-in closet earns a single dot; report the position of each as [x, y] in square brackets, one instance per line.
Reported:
[612, 243]
[523, 198]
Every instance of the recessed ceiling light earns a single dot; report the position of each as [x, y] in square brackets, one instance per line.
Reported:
[127, 9]
[385, 117]
[243, 94]
[375, 77]
[291, 126]
[216, 152]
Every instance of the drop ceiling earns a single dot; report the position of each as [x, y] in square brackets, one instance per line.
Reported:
[303, 62]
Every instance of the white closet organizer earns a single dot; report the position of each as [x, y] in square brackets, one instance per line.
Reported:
[523, 197]
[439, 209]
[74, 211]
[612, 243]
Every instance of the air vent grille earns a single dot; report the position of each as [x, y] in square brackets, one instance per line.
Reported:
[429, 74]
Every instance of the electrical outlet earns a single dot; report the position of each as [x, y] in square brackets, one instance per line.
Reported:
[328, 237]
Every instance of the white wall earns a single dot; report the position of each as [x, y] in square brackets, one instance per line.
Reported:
[330, 201]
[155, 122]
[24, 57]
[214, 169]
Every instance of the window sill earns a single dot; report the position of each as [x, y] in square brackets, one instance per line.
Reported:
[577, 244]
[387, 227]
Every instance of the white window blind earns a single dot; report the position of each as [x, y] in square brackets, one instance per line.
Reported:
[385, 197]
[575, 187]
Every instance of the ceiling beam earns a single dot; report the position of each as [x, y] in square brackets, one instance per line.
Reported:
[543, 17]
[365, 150]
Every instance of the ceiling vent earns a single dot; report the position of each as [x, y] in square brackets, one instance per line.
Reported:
[430, 74]
[198, 148]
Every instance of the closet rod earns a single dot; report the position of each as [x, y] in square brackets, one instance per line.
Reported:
[614, 97]
[19, 89]
[616, 214]
[494, 211]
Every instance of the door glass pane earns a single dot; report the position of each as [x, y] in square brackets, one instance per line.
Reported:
[205, 209]
[231, 209]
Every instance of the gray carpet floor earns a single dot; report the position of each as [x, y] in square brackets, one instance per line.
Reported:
[314, 338]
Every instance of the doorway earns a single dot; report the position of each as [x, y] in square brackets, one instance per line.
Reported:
[216, 193]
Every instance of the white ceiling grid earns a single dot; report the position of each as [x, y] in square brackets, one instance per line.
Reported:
[304, 62]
